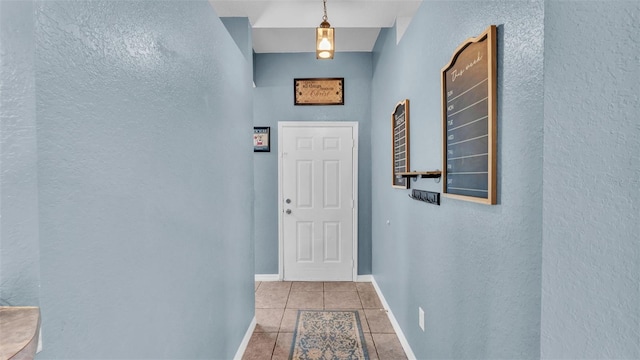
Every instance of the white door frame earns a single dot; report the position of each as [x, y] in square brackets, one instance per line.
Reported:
[350, 124]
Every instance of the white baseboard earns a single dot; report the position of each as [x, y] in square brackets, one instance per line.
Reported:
[276, 277]
[394, 322]
[267, 277]
[245, 341]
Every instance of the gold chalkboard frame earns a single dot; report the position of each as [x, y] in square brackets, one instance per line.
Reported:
[398, 181]
[489, 35]
[300, 84]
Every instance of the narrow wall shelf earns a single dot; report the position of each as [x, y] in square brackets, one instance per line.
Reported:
[422, 174]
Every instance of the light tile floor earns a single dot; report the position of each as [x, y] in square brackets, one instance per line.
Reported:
[277, 305]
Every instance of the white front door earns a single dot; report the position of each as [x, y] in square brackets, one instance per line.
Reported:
[318, 183]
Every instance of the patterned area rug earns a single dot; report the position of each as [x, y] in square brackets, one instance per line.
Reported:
[325, 335]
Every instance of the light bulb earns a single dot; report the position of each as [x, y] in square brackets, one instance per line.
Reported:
[324, 44]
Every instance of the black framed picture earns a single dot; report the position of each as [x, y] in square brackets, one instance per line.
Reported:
[261, 139]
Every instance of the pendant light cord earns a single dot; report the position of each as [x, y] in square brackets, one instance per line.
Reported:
[324, 18]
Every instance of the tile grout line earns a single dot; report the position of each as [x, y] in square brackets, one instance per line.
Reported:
[375, 346]
[373, 343]
[273, 352]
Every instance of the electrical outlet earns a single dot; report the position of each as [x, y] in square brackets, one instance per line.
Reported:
[421, 318]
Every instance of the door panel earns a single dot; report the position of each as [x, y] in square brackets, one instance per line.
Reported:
[304, 176]
[318, 221]
[304, 239]
[331, 184]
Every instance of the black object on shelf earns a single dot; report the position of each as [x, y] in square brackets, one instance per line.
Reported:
[426, 196]
[422, 174]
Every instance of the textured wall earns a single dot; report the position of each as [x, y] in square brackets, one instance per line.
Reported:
[19, 250]
[474, 269]
[145, 179]
[274, 74]
[591, 248]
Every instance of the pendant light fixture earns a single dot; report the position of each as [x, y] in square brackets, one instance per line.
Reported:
[325, 41]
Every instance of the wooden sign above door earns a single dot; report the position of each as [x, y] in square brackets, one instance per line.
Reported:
[318, 91]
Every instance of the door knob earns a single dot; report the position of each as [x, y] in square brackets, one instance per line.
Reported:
[288, 211]
[288, 201]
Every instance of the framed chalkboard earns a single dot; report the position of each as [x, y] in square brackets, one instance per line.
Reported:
[469, 114]
[400, 144]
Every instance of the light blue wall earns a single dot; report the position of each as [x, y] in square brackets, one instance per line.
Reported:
[19, 250]
[274, 74]
[474, 269]
[240, 30]
[591, 247]
[145, 181]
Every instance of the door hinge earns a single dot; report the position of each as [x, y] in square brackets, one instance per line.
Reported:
[353, 203]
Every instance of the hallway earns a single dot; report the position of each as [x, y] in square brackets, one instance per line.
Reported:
[126, 168]
[277, 305]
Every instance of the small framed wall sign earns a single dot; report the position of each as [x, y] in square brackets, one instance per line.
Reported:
[400, 144]
[261, 139]
[318, 91]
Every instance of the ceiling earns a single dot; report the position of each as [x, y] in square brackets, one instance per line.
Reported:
[284, 26]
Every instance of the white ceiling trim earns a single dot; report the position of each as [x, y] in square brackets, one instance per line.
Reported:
[288, 25]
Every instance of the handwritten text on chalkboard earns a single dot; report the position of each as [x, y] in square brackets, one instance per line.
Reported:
[458, 72]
